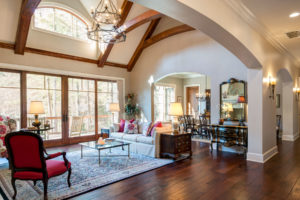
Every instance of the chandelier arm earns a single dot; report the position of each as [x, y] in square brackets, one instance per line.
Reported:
[98, 6]
[113, 8]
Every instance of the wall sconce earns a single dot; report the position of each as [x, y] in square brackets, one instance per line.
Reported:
[272, 82]
[297, 93]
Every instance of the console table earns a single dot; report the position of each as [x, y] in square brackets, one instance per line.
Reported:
[175, 145]
[228, 135]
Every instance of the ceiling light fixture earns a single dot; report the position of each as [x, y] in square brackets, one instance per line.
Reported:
[106, 18]
[294, 14]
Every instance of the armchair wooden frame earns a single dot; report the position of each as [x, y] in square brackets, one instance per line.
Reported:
[43, 159]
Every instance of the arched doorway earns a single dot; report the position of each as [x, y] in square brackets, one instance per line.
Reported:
[192, 90]
[285, 107]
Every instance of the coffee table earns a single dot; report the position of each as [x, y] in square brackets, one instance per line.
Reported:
[108, 145]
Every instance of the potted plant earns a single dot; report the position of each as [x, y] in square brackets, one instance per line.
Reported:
[131, 108]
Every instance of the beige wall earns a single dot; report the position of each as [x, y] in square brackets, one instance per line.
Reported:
[178, 82]
[187, 52]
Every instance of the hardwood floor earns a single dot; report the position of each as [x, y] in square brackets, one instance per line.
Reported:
[211, 176]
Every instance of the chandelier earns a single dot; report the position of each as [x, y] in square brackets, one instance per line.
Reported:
[105, 20]
[203, 96]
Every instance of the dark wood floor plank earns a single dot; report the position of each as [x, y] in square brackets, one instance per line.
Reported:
[217, 175]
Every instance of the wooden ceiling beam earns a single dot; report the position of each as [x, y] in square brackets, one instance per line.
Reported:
[27, 9]
[140, 20]
[140, 47]
[126, 7]
[129, 26]
[61, 55]
[168, 33]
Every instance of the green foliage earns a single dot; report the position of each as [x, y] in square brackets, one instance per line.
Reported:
[131, 108]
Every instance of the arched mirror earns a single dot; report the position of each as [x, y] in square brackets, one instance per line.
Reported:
[233, 99]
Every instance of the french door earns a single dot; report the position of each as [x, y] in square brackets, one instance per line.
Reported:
[75, 107]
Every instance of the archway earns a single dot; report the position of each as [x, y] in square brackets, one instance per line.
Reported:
[192, 90]
[285, 121]
[180, 11]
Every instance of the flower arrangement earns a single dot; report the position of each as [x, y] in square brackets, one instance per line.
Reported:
[131, 108]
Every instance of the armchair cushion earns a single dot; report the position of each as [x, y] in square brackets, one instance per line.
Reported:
[54, 168]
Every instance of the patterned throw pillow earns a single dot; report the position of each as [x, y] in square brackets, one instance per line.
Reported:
[131, 128]
[3, 129]
[157, 124]
[146, 128]
[122, 125]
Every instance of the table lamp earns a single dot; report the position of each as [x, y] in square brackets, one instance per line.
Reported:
[175, 110]
[36, 108]
[114, 107]
[242, 100]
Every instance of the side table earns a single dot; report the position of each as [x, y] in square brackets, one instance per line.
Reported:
[175, 145]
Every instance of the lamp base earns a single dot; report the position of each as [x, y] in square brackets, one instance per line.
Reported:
[36, 122]
[175, 126]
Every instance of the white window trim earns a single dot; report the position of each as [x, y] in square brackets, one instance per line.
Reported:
[165, 85]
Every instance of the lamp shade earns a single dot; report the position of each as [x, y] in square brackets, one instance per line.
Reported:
[241, 99]
[114, 107]
[175, 109]
[36, 107]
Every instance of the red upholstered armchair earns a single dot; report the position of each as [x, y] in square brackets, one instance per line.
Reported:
[28, 162]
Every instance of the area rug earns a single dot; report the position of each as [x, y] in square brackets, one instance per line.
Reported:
[86, 174]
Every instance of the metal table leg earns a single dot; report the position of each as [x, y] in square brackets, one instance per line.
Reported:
[128, 150]
[99, 156]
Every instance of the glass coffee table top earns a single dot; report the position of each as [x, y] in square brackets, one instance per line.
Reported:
[107, 145]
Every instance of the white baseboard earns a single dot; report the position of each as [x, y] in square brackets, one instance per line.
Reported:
[262, 158]
[291, 138]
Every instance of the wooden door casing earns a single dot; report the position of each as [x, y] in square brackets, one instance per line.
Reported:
[191, 100]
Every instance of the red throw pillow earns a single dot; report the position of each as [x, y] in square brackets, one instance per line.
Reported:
[132, 120]
[157, 124]
[122, 125]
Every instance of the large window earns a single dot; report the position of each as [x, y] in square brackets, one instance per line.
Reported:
[10, 95]
[60, 21]
[81, 107]
[163, 96]
[107, 93]
[75, 107]
[48, 90]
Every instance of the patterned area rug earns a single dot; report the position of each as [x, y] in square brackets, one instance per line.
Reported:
[86, 174]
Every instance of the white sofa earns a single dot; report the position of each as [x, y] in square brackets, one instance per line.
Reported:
[140, 144]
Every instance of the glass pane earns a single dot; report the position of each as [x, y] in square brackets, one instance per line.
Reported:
[163, 96]
[107, 93]
[48, 90]
[44, 18]
[81, 107]
[60, 21]
[79, 29]
[10, 98]
[63, 22]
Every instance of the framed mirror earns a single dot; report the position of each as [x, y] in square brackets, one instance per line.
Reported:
[233, 100]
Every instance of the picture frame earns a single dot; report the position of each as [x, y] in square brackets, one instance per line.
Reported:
[179, 99]
[277, 100]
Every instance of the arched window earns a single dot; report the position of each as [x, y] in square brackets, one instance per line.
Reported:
[60, 21]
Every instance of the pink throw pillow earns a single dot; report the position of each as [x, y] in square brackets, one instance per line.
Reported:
[122, 125]
[157, 124]
[132, 120]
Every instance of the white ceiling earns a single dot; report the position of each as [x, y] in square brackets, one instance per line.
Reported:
[274, 15]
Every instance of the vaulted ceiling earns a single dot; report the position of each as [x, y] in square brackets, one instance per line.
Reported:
[144, 28]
